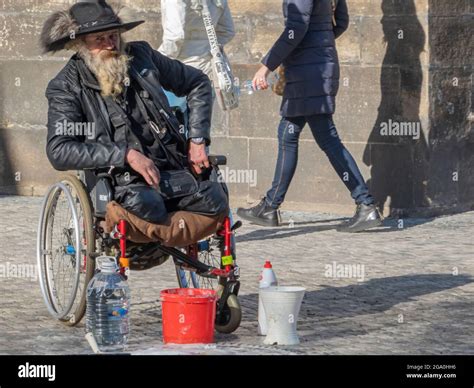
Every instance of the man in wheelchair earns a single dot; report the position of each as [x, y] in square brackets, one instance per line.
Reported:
[159, 170]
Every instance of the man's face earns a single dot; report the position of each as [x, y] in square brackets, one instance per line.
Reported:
[106, 41]
[104, 54]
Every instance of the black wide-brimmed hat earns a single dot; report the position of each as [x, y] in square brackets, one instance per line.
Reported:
[84, 17]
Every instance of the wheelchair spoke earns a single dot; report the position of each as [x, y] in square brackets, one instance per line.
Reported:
[62, 260]
[83, 251]
[65, 235]
[210, 257]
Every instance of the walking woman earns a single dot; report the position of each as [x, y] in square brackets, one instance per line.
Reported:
[307, 50]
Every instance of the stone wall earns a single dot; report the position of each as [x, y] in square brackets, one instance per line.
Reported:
[451, 104]
[402, 61]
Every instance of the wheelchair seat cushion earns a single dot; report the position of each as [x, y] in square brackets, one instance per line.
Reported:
[179, 229]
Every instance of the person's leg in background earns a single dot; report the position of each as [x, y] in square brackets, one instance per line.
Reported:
[266, 211]
[325, 133]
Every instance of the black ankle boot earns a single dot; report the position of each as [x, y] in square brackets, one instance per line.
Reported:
[261, 214]
[365, 217]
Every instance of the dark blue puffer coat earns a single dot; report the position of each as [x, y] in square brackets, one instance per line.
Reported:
[307, 49]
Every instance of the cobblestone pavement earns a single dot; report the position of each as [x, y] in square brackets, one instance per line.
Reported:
[413, 293]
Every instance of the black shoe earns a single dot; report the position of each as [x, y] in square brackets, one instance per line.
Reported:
[261, 214]
[365, 217]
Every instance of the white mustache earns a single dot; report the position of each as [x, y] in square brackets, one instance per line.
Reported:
[107, 54]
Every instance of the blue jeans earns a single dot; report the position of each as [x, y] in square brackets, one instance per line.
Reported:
[325, 133]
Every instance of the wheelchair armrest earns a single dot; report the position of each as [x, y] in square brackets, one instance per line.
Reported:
[217, 160]
[101, 190]
[105, 188]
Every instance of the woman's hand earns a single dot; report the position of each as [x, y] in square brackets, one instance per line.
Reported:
[260, 79]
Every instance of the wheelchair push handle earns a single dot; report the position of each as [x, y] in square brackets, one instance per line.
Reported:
[217, 160]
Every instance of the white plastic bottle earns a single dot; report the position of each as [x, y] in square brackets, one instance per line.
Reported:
[267, 279]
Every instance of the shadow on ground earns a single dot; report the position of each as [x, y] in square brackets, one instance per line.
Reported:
[301, 228]
[323, 311]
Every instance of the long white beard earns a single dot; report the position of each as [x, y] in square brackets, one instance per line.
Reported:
[110, 68]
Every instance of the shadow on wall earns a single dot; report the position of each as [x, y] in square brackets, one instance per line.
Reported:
[7, 175]
[451, 94]
[399, 161]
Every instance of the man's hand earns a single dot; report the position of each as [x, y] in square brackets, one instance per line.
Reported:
[197, 157]
[144, 166]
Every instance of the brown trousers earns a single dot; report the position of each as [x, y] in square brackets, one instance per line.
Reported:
[180, 229]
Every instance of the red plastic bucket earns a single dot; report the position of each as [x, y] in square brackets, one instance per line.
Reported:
[188, 315]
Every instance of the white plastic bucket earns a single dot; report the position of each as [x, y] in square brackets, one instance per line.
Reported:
[282, 306]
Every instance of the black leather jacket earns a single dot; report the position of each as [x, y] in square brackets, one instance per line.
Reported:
[74, 97]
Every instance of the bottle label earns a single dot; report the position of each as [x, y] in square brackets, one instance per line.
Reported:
[118, 312]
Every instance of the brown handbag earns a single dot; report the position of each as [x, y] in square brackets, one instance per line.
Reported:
[279, 86]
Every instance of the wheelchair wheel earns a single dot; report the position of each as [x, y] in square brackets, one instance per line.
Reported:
[231, 316]
[65, 243]
[210, 252]
[209, 256]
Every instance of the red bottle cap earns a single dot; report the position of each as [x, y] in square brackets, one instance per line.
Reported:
[268, 264]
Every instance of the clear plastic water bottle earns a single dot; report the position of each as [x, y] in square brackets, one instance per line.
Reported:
[108, 303]
[247, 87]
[267, 279]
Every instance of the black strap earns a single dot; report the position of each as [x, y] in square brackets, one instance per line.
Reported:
[120, 123]
[117, 119]
[161, 112]
[157, 132]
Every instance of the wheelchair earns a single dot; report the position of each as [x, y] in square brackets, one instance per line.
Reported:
[70, 238]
